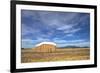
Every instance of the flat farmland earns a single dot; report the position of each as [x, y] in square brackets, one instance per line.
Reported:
[61, 54]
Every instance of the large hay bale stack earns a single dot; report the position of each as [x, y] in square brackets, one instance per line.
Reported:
[45, 47]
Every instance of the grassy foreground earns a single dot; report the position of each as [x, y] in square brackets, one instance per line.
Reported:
[69, 54]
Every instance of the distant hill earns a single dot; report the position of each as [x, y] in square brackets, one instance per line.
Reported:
[26, 48]
[74, 47]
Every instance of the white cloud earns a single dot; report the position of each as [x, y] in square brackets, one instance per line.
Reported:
[60, 41]
[28, 40]
[27, 29]
[42, 39]
[57, 20]
[80, 44]
[27, 43]
[66, 27]
[69, 28]
[73, 41]
[72, 30]
[70, 35]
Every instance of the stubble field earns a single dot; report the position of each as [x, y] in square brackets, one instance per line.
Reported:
[69, 54]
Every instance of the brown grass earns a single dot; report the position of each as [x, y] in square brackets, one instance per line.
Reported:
[69, 54]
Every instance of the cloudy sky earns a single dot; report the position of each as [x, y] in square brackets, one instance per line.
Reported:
[62, 28]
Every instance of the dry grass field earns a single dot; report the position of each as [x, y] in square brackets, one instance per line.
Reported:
[69, 54]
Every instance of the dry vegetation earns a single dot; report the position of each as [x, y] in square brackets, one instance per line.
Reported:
[29, 55]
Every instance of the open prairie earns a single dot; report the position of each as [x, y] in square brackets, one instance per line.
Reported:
[62, 54]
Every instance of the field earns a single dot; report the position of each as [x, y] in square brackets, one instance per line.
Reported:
[69, 54]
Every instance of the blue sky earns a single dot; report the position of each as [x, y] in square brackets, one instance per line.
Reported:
[62, 28]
